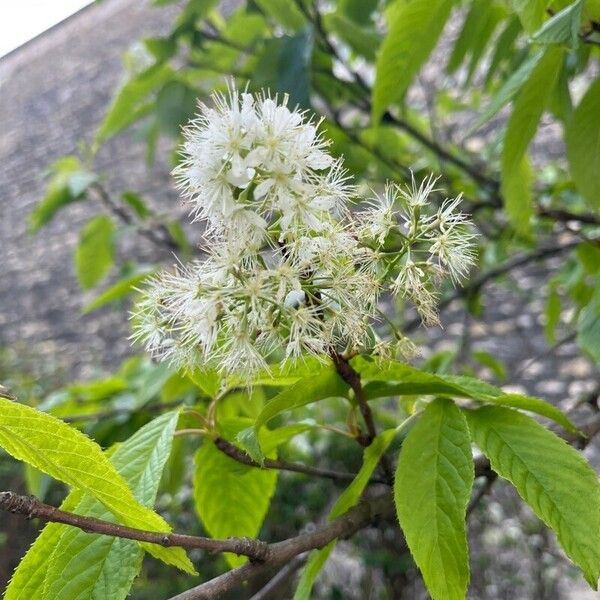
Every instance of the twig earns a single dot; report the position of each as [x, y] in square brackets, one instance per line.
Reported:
[282, 552]
[32, 508]
[282, 577]
[240, 456]
[352, 378]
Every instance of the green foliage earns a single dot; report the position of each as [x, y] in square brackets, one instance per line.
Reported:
[94, 254]
[402, 53]
[553, 478]
[393, 378]
[521, 127]
[583, 144]
[588, 325]
[69, 456]
[70, 564]
[68, 183]
[562, 28]
[231, 499]
[433, 484]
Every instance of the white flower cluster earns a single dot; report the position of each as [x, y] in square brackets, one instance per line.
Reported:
[290, 270]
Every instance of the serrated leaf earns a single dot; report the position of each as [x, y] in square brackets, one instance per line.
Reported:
[433, 485]
[230, 498]
[66, 454]
[553, 478]
[403, 52]
[118, 291]
[94, 254]
[522, 125]
[562, 28]
[393, 378]
[583, 145]
[65, 562]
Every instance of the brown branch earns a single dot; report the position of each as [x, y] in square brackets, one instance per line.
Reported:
[352, 378]
[32, 508]
[282, 552]
[240, 456]
[164, 239]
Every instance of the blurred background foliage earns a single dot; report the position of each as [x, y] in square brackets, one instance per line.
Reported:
[458, 88]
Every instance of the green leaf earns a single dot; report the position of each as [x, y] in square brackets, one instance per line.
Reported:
[231, 499]
[347, 499]
[180, 237]
[66, 454]
[101, 567]
[68, 184]
[322, 384]
[139, 206]
[175, 105]
[118, 291]
[71, 564]
[552, 313]
[509, 89]
[562, 28]
[131, 104]
[522, 125]
[372, 455]
[433, 485]
[393, 378]
[362, 40]
[403, 51]
[293, 73]
[469, 33]
[531, 12]
[316, 561]
[583, 145]
[94, 254]
[491, 362]
[588, 325]
[284, 12]
[553, 478]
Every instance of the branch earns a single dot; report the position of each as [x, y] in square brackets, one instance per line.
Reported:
[282, 552]
[345, 526]
[32, 508]
[240, 456]
[352, 378]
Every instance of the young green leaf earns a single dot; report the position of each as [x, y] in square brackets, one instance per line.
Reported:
[522, 125]
[562, 28]
[94, 254]
[231, 499]
[553, 478]
[68, 184]
[433, 485]
[509, 89]
[131, 103]
[583, 145]
[68, 455]
[117, 291]
[349, 498]
[70, 564]
[531, 12]
[325, 383]
[403, 50]
[316, 561]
